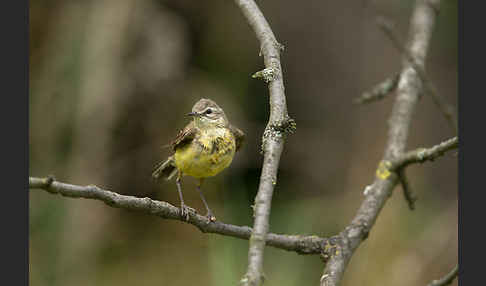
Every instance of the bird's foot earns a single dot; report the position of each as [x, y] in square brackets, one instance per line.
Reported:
[185, 210]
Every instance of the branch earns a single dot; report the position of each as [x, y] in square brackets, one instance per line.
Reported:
[379, 91]
[422, 154]
[298, 243]
[408, 90]
[273, 138]
[418, 156]
[407, 190]
[446, 109]
[446, 280]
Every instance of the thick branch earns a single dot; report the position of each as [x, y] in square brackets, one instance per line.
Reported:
[446, 280]
[421, 26]
[298, 243]
[273, 138]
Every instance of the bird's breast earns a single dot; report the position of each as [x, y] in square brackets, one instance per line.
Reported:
[208, 154]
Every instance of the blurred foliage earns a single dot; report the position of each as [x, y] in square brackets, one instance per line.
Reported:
[110, 82]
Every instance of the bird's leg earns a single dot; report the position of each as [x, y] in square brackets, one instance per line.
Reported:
[209, 214]
[184, 209]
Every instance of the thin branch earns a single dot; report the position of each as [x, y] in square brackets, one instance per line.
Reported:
[423, 154]
[408, 195]
[429, 88]
[408, 90]
[379, 91]
[273, 138]
[418, 156]
[446, 280]
[298, 243]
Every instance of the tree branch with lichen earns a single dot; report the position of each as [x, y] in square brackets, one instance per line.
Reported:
[299, 243]
[408, 91]
[273, 137]
[312, 244]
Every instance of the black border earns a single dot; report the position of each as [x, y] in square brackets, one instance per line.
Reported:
[460, 198]
[471, 121]
[14, 28]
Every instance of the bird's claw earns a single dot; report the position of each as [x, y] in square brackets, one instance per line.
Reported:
[185, 210]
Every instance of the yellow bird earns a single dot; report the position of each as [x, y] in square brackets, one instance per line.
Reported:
[205, 147]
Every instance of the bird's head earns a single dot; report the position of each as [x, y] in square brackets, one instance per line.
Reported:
[207, 113]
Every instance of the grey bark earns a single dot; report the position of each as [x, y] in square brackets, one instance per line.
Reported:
[299, 243]
[408, 91]
[273, 138]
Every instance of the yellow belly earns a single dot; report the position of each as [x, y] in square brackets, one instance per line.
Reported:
[206, 155]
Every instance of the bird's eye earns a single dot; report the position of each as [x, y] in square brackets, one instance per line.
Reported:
[209, 111]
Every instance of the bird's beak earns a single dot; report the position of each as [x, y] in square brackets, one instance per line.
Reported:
[193, 114]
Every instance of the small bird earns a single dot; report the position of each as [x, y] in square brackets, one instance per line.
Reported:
[204, 148]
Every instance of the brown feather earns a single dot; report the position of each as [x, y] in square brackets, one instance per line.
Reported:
[165, 169]
[239, 136]
[185, 136]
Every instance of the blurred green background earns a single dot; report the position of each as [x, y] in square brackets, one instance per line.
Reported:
[111, 80]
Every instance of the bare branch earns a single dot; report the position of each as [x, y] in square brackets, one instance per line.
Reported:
[379, 91]
[422, 154]
[407, 190]
[417, 156]
[408, 90]
[298, 243]
[273, 137]
[446, 280]
[429, 88]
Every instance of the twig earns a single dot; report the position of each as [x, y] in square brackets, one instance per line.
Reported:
[423, 154]
[379, 91]
[298, 243]
[273, 137]
[446, 280]
[446, 109]
[418, 156]
[408, 90]
[407, 190]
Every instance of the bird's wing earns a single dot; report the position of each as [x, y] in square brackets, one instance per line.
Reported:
[185, 136]
[239, 136]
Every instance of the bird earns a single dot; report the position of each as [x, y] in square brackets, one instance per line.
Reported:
[203, 148]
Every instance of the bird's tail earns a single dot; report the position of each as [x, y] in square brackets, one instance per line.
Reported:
[166, 169]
